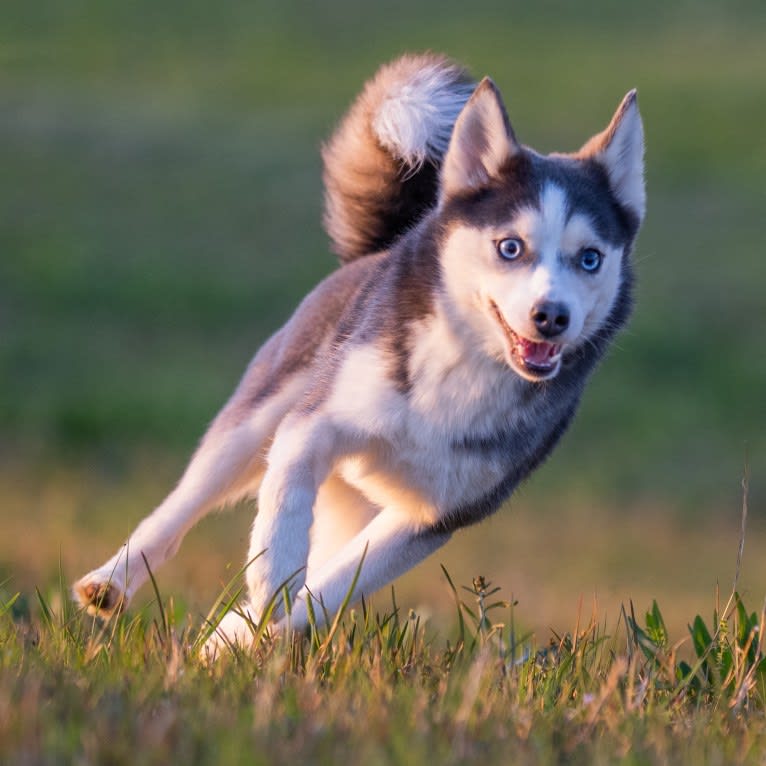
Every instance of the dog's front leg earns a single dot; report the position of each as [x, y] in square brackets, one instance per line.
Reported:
[391, 544]
[300, 459]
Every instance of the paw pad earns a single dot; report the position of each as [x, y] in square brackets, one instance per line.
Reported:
[103, 599]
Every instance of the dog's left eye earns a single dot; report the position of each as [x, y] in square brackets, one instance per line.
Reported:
[590, 260]
[510, 249]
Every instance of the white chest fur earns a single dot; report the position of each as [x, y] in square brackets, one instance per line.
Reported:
[411, 448]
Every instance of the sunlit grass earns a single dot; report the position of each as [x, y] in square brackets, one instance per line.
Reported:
[381, 687]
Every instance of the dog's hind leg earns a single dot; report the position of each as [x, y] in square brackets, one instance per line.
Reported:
[228, 465]
[231, 459]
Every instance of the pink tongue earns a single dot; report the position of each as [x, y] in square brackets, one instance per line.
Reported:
[536, 353]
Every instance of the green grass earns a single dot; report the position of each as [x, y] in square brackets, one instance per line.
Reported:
[381, 687]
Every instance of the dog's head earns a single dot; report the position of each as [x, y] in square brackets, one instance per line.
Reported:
[535, 247]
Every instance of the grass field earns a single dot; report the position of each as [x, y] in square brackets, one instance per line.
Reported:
[379, 687]
[160, 217]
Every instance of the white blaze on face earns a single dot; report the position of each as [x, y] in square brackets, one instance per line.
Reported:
[554, 238]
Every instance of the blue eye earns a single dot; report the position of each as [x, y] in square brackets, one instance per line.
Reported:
[510, 249]
[590, 260]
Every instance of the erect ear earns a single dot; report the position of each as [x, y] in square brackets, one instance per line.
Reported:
[620, 149]
[482, 142]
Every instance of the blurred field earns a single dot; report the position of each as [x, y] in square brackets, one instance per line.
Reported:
[160, 218]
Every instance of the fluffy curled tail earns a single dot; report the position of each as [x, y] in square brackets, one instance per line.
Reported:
[381, 165]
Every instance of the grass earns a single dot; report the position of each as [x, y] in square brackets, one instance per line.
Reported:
[381, 687]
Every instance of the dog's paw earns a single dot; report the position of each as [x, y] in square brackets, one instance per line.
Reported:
[233, 632]
[100, 596]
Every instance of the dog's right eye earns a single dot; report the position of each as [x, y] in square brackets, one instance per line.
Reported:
[510, 249]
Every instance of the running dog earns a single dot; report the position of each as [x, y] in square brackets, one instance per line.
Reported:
[417, 385]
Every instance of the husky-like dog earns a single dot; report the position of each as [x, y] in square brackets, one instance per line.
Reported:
[418, 384]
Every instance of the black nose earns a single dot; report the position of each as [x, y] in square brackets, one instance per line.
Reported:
[550, 317]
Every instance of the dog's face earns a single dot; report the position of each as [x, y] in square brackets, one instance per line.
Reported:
[534, 246]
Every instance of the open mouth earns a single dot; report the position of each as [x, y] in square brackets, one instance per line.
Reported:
[534, 360]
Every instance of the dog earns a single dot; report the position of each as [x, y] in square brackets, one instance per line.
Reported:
[418, 384]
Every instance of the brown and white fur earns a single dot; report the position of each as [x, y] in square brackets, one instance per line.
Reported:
[418, 384]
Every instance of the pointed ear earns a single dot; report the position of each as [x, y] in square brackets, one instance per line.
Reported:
[620, 149]
[482, 142]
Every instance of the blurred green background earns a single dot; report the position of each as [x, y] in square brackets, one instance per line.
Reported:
[160, 217]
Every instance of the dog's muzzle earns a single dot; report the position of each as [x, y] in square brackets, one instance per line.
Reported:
[533, 360]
